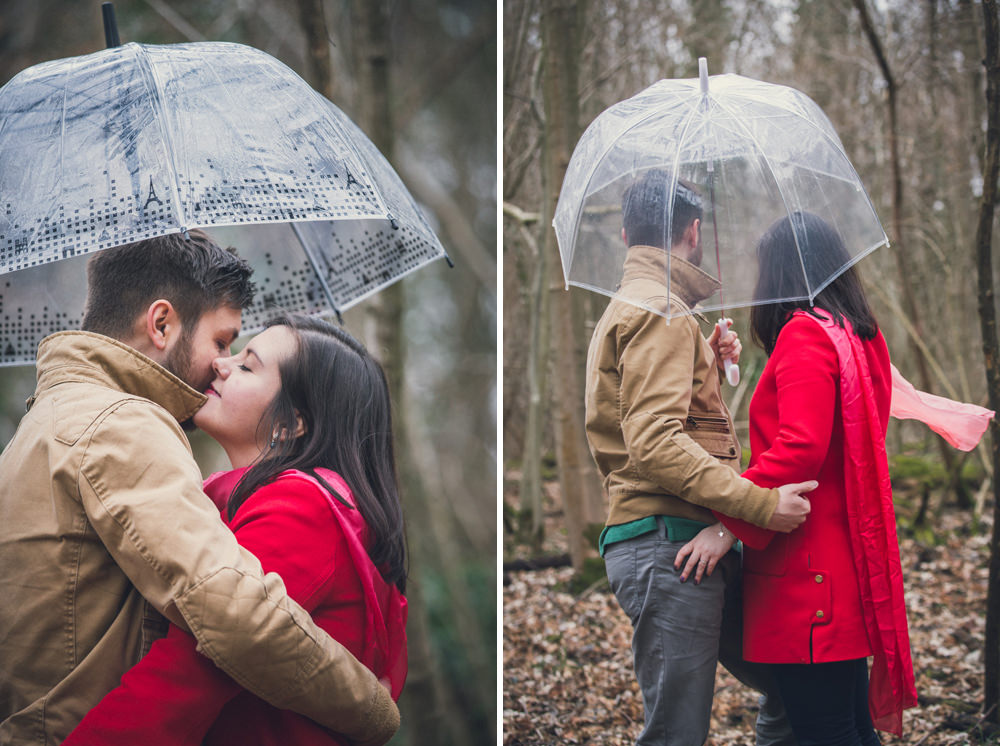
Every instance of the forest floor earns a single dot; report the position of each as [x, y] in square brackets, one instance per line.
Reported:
[567, 667]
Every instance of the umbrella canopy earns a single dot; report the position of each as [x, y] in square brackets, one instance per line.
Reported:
[747, 152]
[139, 141]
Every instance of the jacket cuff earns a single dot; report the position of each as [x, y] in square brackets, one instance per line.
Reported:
[767, 499]
[382, 720]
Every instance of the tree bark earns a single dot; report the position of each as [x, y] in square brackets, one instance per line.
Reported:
[314, 26]
[531, 525]
[579, 485]
[991, 346]
[901, 255]
[427, 699]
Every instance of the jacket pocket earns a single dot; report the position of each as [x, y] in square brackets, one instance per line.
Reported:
[711, 432]
[770, 561]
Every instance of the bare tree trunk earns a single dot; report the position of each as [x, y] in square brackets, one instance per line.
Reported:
[902, 256]
[965, 21]
[532, 526]
[578, 481]
[427, 700]
[314, 25]
[991, 346]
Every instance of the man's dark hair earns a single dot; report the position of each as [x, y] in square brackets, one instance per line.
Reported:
[780, 276]
[195, 274]
[644, 209]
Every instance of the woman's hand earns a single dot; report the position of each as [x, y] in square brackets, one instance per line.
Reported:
[725, 346]
[704, 551]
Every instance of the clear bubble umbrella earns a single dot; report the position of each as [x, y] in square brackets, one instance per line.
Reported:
[752, 152]
[139, 141]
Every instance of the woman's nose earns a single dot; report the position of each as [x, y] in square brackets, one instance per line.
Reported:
[221, 366]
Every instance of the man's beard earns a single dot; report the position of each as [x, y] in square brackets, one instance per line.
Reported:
[178, 362]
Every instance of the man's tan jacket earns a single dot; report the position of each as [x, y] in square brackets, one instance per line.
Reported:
[658, 428]
[103, 527]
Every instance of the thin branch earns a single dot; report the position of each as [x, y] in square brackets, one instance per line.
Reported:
[446, 66]
[475, 255]
[915, 337]
[873, 40]
[513, 211]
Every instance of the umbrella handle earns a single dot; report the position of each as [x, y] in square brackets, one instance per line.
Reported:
[732, 369]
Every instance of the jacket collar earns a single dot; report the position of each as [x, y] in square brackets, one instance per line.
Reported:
[94, 358]
[689, 283]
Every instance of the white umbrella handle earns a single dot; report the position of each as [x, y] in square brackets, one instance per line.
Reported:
[732, 369]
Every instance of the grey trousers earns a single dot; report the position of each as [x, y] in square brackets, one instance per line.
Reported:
[677, 628]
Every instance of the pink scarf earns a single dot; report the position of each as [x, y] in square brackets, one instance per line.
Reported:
[873, 535]
[962, 425]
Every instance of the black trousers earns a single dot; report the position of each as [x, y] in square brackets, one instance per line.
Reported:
[827, 703]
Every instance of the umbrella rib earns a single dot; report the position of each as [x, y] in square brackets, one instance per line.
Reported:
[320, 275]
[770, 168]
[597, 162]
[358, 157]
[247, 151]
[835, 143]
[813, 292]
[853, 260]
[159, 116]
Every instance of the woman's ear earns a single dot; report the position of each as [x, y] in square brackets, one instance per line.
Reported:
[300, 426]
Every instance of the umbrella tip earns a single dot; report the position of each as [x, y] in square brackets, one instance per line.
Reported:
[110, 25]
[703, 73]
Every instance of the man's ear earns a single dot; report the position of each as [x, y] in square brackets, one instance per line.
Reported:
[162, 324]
[624, 237]
[692, 233]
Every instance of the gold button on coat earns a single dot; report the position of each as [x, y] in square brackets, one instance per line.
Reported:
[819, 614]
[819, 578]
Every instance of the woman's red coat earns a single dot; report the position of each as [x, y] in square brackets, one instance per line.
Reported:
[802, 603]
[177, 697]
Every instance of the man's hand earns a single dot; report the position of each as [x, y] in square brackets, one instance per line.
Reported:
[725, 346]
[792, 506]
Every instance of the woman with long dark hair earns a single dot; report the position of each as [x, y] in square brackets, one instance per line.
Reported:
[819, 601]
[303, 413]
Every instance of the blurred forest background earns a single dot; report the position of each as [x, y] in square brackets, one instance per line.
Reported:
[419, 77]
[904, 84]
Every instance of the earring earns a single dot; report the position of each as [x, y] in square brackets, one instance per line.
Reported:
[274, 440]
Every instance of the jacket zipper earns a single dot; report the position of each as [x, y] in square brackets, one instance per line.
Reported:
[712, 424]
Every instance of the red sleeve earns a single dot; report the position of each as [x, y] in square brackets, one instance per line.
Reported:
[170, 698]
[174, 694]
[807, 380]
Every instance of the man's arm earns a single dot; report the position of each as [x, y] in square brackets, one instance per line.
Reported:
[657, 363]
[174, 694]
[807, 379]
[144, 499]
